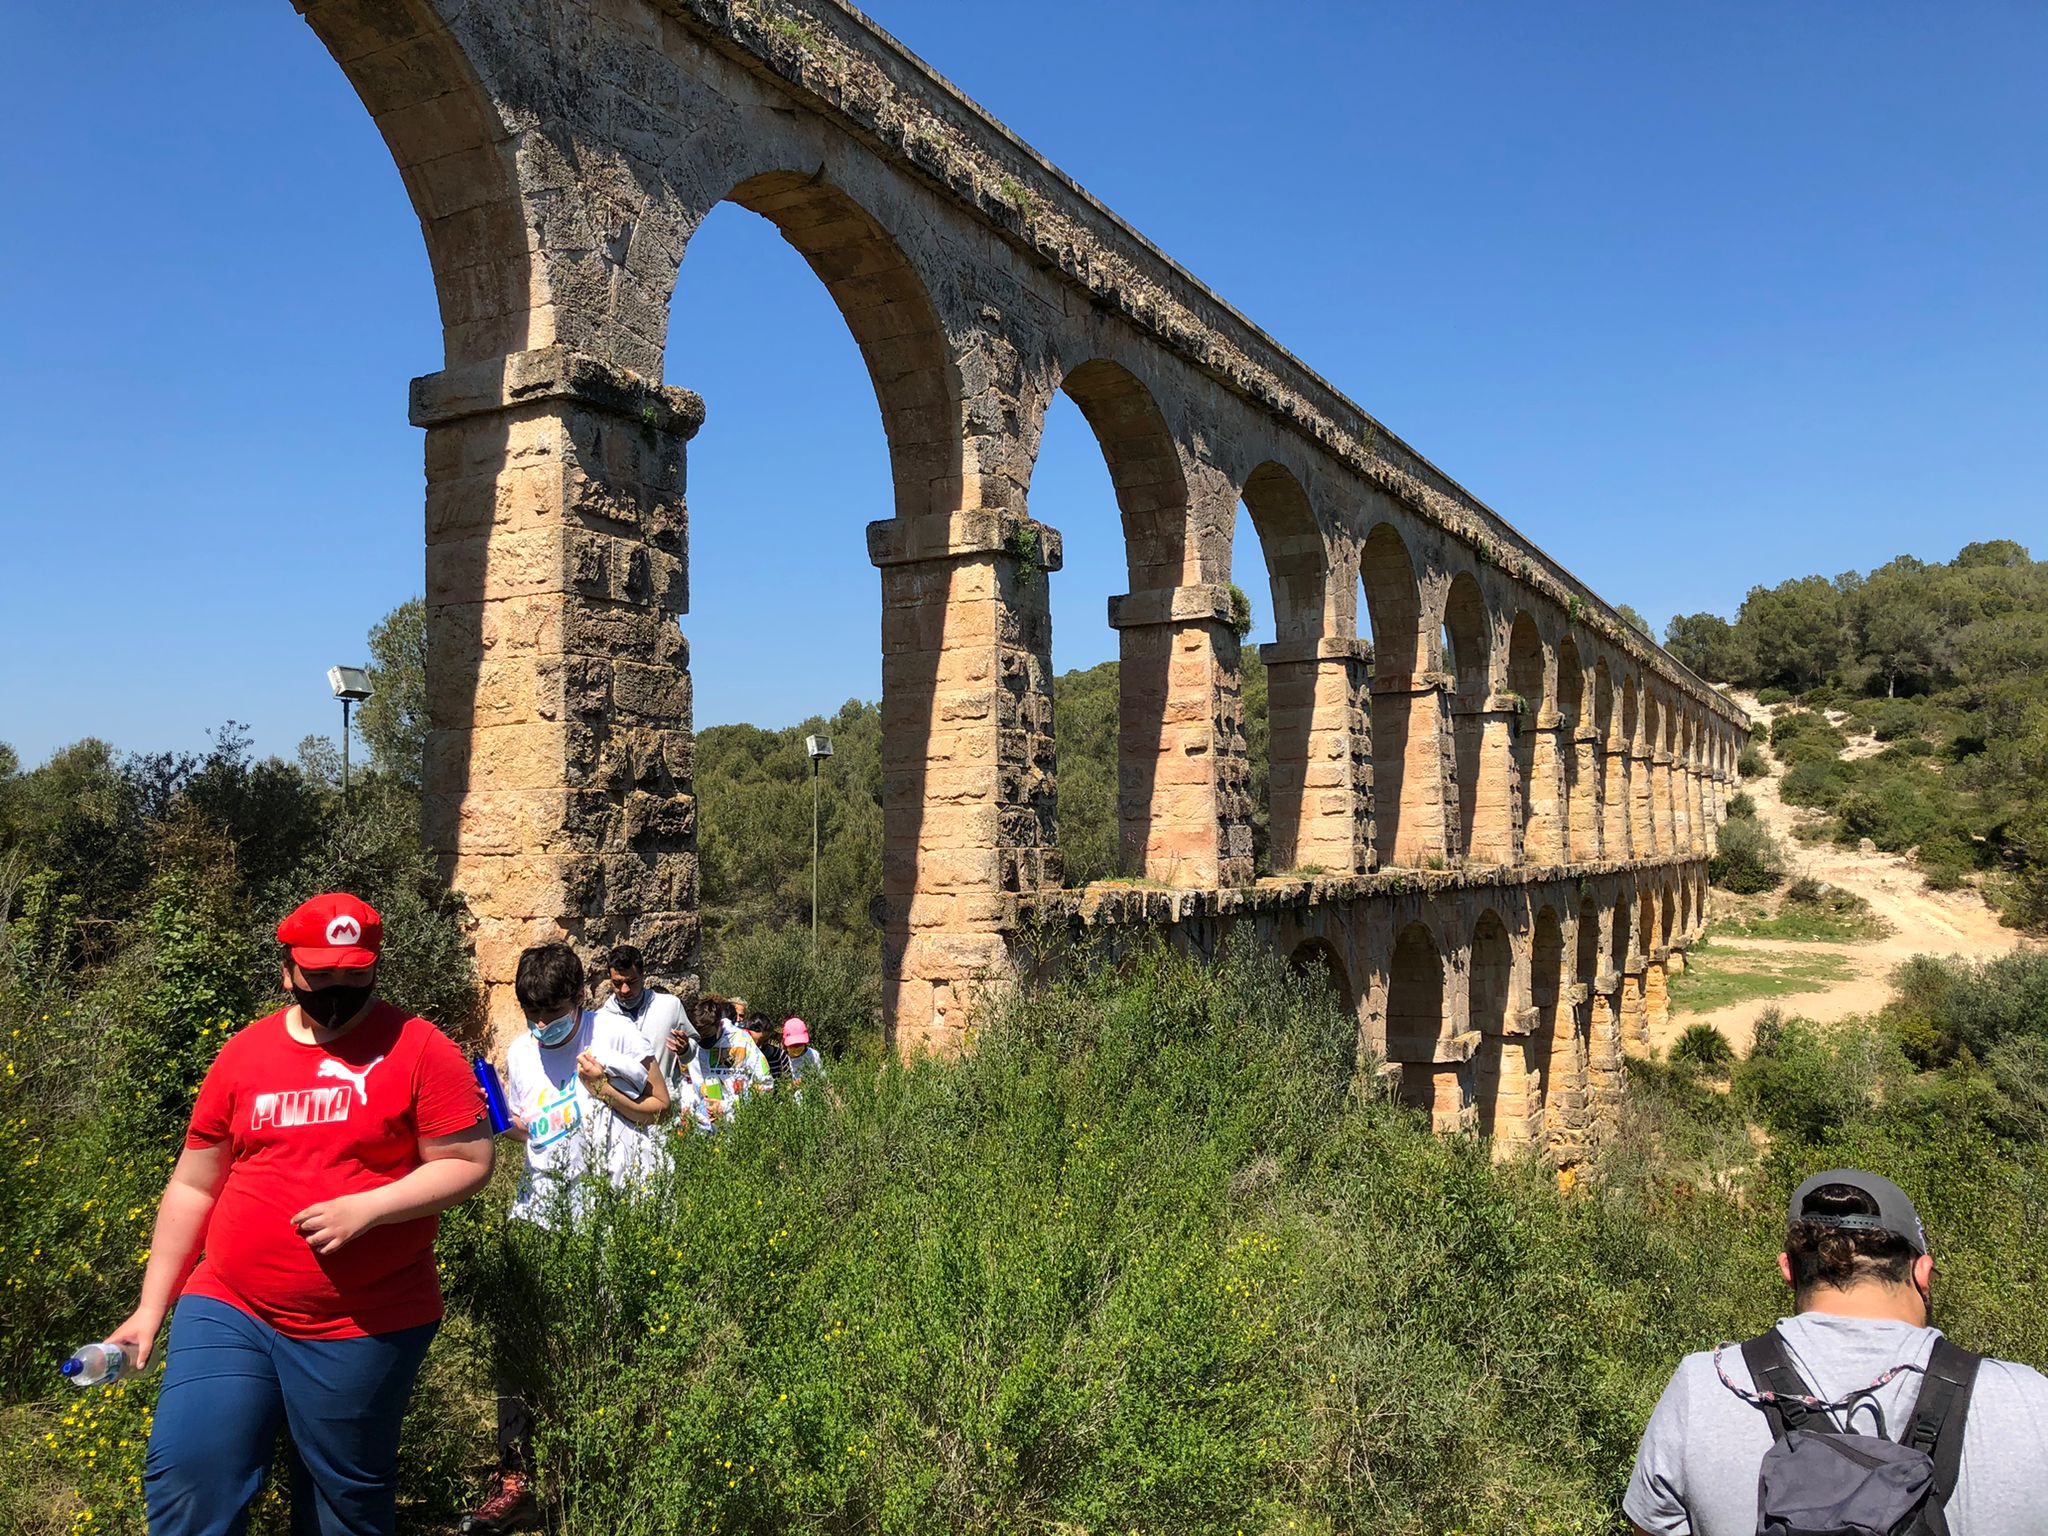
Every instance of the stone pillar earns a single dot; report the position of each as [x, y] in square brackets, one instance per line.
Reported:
[1517, 1088]
[1567, 1097]
[967, 757]
[1629, 1006]
[1642, 825]
[1656, 997]
[1488, 736]
[1664, 806]
[1702, 807]
[1320, 753]
[1544, 828]
[1603, 1049]
[1617, 845]
[559, 754]
[1585, 805]
[1414, 812]
[1183, 786]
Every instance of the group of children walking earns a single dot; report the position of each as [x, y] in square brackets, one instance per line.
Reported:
[597, 1096]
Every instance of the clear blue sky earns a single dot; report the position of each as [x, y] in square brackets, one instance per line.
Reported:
[1697, 296]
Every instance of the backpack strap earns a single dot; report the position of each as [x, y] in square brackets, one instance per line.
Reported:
[1771, 1370]
[1940, 1412]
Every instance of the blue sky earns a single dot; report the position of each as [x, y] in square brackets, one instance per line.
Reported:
[1698, 297]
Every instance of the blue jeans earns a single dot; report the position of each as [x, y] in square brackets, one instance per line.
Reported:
[232, 1382]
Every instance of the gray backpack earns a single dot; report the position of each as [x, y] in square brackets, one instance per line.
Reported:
[1820, 1480]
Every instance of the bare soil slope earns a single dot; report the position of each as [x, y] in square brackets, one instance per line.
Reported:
[1923, 922]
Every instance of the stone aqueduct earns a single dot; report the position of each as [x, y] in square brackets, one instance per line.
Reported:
[1494, 800]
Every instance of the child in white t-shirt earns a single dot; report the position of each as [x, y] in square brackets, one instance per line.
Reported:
[584, 1097]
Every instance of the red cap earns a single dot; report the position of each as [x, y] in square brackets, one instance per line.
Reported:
[334, 931]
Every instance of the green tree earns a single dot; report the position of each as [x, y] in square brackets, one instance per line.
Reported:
[1708, 644]
[1635, 621]
[393, 719]
[1794, 630]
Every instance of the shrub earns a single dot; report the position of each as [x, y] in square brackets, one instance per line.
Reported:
[1703, 1046]
[1748, 860]
[1800, 1083]
[1801, 734]
[837, 991]
[1816, 782]
[1750, 764]
[1805, 890]
[1773, 695]
[1759, 731]
[1741, 804]
[1895, 718]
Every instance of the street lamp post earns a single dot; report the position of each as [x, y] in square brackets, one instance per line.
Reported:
[351, 685]
[819, 748]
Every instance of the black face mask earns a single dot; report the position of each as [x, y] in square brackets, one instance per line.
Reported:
[332, 1005]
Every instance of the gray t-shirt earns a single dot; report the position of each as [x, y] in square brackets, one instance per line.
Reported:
[1696, 1470]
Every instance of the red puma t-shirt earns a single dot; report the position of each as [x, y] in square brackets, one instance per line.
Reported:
[304, 1123]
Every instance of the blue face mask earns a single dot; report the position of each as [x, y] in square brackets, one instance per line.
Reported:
[558, 1030]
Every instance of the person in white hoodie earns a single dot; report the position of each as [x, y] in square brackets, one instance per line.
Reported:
[584, 1095]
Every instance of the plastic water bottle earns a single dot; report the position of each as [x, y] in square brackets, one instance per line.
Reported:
[494, 1095]
[92, 1364]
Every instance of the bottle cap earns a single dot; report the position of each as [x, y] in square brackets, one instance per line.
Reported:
[73, 1367]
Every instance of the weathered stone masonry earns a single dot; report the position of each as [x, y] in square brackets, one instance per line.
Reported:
[1493, 800]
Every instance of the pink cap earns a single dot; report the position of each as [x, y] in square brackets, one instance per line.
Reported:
[795, 1032]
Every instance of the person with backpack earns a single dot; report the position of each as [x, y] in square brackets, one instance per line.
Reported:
[1854, 1414]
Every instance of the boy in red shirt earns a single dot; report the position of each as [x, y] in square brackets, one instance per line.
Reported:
[297, 1236]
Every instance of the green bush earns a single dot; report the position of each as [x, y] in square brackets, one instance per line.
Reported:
[1800, 734]
[1750, 764]
[1816, 782]
[1773, 695]
[1702, 1045]
[1895, 718]
[1083, 1280]
[1806, 890]
[1741, 804]
[837, 991]
[1800, 1082]
[1747, 859]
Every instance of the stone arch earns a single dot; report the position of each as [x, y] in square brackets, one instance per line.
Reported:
[1668, 918]
[1500, 1068]
[1312, 956]
[1297, 559]
[1144, 466]
[889, 312]
[456, 157]
[1415, 1020]
[1618, 952]
[1534, 740]
[1560, 1044]
[1313, 810]
[1163, 714]
[1635, 798]
[1407, 752]
[1651, 794]
[1482, 813]
[886, 305]
[1580, 764]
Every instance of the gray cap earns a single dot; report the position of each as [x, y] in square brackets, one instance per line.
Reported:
[1895, 1213]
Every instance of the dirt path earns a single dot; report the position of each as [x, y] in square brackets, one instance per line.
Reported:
[1922, 922]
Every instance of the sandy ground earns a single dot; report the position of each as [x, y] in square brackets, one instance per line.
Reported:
[1922, 922]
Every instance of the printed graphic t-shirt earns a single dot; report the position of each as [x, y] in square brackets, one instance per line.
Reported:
[304, 1123]
[570, 1132]
[734, 1067]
